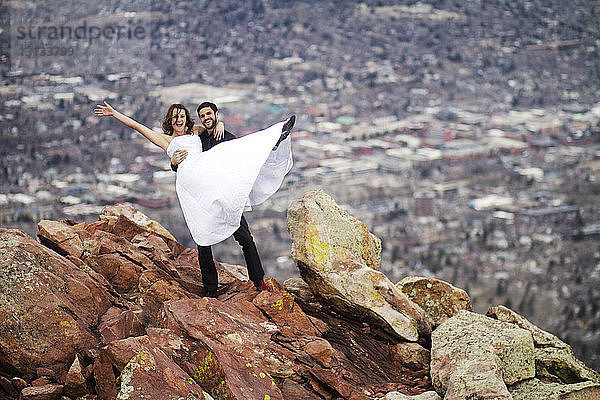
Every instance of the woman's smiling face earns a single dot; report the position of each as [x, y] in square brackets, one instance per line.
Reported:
[178, 120]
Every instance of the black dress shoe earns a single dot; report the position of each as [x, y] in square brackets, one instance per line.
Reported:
[285, 131]
[212, 293]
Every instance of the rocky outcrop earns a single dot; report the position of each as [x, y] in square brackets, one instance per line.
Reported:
[423, 396]
[323, 233]
[504, 356]
[534, 389]
[138, 218]
[476, 356]
[76, 384]
[114, 309]
[339, 259]
[554, 359]
[440, 300]
[412, 355]
[48, 307]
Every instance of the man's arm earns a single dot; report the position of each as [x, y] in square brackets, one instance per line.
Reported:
[178, 157]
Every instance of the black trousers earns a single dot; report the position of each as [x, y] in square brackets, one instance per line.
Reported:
[210, 279]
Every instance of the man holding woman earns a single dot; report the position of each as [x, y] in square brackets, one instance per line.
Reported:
[214, 187]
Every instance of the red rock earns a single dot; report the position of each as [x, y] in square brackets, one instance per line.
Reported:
[110, 255]
[19, 383]
[121, 351]
[242, 351]
[114, 357]
[41, 381]
[8, 387]
[155, 288]
[48, 307]
[75, 383]
[282, 309]
[124, 324]
[145, 371]
[108, 243]
[293, 390]
[46, 392]
[45, 372]
[122, 211]
[120, 272]
[88, 371]
[321, 351]
[117, 225]
[152, 375]
[335, 380]
[60, 237]
[104, 377]
[244, 345]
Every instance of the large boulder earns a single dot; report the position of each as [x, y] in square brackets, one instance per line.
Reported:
[240, 353]
[339, 259]
[43, 392]
[534, 389]
[423, 396]
[440, 300]
[151, 375]
[147, 369]
[139, 263]
[48, 307]
[554, 359]
[113, 213]
[474, 355]
[322, 232]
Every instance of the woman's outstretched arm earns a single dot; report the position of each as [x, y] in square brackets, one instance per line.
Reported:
[159, 139]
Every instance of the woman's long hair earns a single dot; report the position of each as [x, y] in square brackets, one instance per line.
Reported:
[167, 126]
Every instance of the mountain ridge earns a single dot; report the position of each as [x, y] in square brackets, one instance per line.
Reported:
[115, 309]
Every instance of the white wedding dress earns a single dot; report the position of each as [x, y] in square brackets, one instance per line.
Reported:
[214, 187]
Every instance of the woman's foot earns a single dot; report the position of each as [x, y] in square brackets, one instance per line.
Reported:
[285, 131]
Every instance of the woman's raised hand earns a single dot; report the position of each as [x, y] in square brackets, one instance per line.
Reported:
[104, 110]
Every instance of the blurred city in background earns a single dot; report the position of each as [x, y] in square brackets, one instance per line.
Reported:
[464, 134]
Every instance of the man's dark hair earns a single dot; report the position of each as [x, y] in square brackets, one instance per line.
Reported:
[212, 106]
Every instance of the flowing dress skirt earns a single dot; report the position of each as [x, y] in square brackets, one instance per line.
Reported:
[214, 187]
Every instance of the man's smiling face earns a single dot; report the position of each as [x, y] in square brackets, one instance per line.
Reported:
[208, 117]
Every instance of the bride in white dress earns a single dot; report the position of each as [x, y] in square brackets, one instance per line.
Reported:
[214, 187]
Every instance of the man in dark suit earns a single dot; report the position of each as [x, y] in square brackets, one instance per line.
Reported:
[209, 117]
